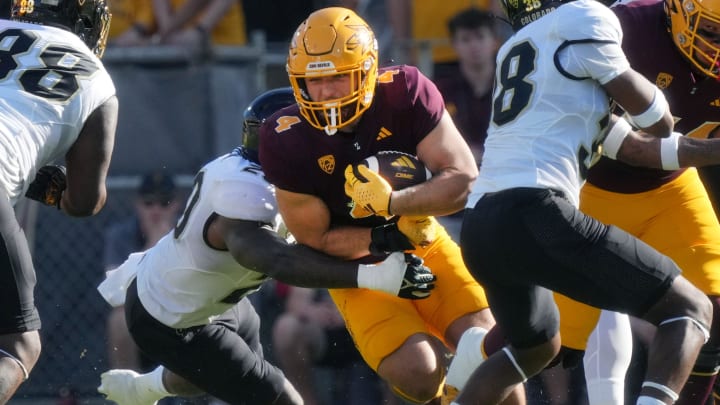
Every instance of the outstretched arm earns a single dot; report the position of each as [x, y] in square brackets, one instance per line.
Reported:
[259, 248]
[638, 148]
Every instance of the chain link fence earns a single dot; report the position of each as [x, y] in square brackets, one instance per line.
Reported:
[68, 257]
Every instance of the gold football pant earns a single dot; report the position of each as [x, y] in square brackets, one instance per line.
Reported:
[380, 323]
[677, 219]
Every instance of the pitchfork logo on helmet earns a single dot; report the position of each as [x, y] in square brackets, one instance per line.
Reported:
[333, 41]
[695, 29]
[88, 19]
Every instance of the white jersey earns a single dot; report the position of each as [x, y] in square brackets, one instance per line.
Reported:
[549, 109]
[183, 282]
[50, 82]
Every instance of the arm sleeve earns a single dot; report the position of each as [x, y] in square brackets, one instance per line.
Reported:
[282, 166]
[426, 103]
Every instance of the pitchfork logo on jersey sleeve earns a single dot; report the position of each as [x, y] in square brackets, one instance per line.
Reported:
[327, 163]
[663, 80]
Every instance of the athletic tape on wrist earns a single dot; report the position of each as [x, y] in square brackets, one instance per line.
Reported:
[654, 113]
[614, 139]
[669, 151]
[381, 276]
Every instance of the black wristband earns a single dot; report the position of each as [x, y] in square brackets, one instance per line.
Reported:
[387, 238]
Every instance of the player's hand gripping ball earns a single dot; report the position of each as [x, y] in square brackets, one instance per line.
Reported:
[370, 185]
[400, 169]
[371, 182]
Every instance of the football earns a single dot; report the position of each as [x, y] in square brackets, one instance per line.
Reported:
[400, 169]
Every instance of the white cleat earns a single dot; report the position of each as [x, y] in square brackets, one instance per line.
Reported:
[119, 386]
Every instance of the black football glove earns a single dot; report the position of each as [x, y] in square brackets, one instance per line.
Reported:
[418, 280]
[387, 238]
[48, 186]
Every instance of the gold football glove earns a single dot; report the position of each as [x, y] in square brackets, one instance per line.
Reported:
[420, 230]
[368, 190]
[357, 211]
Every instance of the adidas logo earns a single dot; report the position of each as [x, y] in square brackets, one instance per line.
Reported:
[715, 103]
[384, 133]
[403, 161]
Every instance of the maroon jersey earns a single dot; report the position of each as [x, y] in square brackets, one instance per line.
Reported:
[694, 99]
[300, 158]
[470, 112]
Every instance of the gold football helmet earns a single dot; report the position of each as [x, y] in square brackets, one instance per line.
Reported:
[333, 41]
[695, 29]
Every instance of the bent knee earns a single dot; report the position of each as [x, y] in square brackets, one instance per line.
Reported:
[413, 397]
[416, 392]
[24, 347]
[417, 378]
[683, 299]
[534, 359]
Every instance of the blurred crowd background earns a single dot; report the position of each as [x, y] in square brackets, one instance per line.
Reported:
[184, 72]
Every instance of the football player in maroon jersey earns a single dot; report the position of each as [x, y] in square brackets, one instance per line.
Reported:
[347, 110]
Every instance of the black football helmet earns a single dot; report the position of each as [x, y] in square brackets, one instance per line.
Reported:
[89, 19]
[523, 12]
[257, 112]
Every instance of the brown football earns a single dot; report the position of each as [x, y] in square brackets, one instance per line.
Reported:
[400, 169]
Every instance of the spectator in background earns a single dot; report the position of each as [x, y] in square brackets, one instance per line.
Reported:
[198, 22]
[132, 23]
[311, 333]
[468, 90]
[156, 207]
[417, 21]
[278, 18]
[194, 23]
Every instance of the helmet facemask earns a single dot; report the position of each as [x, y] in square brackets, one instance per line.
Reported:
[97, 30]
[694, 26]
[330, 115]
